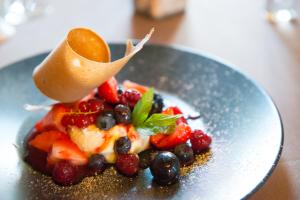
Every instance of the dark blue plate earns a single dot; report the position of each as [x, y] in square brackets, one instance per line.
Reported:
[242, 119]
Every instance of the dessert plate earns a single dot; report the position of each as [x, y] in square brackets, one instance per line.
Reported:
[242, 119]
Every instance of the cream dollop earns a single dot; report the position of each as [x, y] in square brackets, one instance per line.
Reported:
[92, 140]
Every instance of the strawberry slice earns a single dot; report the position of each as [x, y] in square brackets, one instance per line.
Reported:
[45, 140]
[132, 85]
[174, 110]
[109, 90]
[53, 118]
[181, 134]
[65, 149]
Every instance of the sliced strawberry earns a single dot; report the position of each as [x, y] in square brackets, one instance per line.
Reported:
[53, 118]
[45, 140]
[181, 134]
[174, 110]
[109, 90]
[66, 150]
[132, 85]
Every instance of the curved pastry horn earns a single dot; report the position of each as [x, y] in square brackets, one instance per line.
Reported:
[80, 63]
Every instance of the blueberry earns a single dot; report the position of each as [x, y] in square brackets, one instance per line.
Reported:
[123, 145]
[165, 168]
[158, 104]
[185, 154]
[122, 114]
[120, 91]
[146, 158]
[105, 121]
[97, 164]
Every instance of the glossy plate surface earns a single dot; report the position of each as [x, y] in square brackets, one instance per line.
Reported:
[245, 125]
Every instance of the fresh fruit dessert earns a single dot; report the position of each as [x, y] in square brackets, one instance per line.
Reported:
[126, 126]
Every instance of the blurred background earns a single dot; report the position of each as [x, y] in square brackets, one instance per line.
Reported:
[261, 37]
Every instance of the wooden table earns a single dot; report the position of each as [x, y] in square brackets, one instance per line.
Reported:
[234, 30]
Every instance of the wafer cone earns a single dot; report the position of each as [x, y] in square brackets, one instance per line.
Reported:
[80, 63]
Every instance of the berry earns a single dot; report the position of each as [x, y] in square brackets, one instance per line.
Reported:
[37, 159]
[181, 134]
[185, 154]
[64, 173]
[157, 105]
[109, 90]
[127, 164]
[122, 114]
[130, 97]
[122, 145]
[95, 105]
[105, 121]
[132, 85]
[83, 106]
[146, 158]
[200, 141]
[97, 164]
[67, 120]
[92, 118]
[120, 91]
[165, 168]
[92, 105]
[81, 121]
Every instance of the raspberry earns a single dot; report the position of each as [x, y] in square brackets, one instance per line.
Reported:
[127, 164]
[200, 141]
[64, 173]
[130, 97]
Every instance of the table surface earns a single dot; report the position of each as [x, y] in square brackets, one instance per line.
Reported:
[234, 30]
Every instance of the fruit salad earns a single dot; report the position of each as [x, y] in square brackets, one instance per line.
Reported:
[125, 126]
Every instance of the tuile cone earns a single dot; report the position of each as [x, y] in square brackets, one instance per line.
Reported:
[80, 63]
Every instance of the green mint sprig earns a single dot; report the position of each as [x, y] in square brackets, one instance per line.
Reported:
[156, 123]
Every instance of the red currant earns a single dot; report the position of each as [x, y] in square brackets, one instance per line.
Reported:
[83, 106]
[67, 120]
[81, 121]
[95, 105]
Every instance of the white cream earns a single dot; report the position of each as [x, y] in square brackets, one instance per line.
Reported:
[91, 141]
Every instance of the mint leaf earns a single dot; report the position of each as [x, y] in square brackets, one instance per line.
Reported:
[161, 120]
[158, 123]
[142, 108]
[152, 130]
